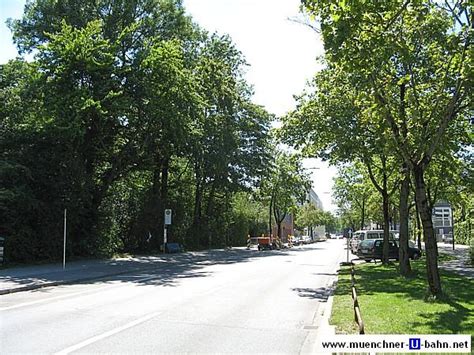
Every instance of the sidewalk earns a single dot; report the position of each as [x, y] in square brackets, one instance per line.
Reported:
[17, 279]
[26, 278]
[461, 264]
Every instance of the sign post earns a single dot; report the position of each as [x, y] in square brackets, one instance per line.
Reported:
[167, 223]
[348, 244]
[64, 244]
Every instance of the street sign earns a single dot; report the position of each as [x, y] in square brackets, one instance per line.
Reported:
[2, 243]
[167, 217]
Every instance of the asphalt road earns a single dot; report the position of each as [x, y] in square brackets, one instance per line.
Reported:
[234, 301]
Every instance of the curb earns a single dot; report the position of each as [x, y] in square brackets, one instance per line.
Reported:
[65, 282]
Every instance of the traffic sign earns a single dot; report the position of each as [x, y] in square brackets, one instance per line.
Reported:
[167, 217]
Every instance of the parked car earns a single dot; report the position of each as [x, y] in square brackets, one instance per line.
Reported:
[306, 239]
[371, 249]
[447, 238]
[320, 238]
[297, 240]
[368, 234]
[413, 252]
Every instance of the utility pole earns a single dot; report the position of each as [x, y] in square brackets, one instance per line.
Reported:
[167, 222]
[452, 223]
[64, 244]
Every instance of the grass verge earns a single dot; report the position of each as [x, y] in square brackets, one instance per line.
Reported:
[392, 304]
[444, 257]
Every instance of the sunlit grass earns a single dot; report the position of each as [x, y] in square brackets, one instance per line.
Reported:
[392, 304]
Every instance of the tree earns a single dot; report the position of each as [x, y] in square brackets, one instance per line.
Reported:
[325, 114]
[230, 135]
[308, 215]
[352, 193]
[127, 108]
[286, 185]
[415, 61]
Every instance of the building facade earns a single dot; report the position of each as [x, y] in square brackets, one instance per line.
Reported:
[442, 216]
[313, 198]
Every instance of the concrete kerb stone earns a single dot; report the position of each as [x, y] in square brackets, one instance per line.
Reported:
[321, 329]
[79, 279]
[325, 327]
[35, 286]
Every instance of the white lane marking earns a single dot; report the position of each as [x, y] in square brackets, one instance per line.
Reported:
[70, 295]
[107, 334]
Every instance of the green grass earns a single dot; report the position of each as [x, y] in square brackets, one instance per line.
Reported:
[392, 304]
[443, 257]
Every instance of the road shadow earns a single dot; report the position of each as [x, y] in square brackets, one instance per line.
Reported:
[169, 269]
[322, 293]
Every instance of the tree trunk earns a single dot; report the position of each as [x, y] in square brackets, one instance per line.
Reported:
[386, 227]
[418, 226]
[431, 246]
[209, 208]
[383, 190]
[197, 199]
[362, 217]
[270, 217]
[164, 181]
[404, 260]
[164, 197]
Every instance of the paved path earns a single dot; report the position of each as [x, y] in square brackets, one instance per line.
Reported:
[461, 264]
[32, 277]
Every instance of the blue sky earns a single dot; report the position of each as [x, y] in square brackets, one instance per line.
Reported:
[281, 53]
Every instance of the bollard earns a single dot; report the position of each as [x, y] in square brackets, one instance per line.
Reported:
[248, 242]
[357, 314]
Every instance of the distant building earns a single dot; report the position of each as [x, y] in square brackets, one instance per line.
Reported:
[313, 198]
[442, 217]
[288, 224]
[287, 228]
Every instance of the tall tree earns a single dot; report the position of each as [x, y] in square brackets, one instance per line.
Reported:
[123, 102]
[229, 145]
[286, 185]
[326, 114]
[352, 189]
[415, 59]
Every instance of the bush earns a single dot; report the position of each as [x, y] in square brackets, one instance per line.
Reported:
[461, 233]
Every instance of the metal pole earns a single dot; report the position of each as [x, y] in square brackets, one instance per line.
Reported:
[347, 249]
[165, 239]
[64, 245]
[452, 223]
[348, 243]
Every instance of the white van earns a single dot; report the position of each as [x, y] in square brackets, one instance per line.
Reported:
[361, 235]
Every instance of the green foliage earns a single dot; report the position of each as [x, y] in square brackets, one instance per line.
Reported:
[285, 186]
[308, 216]
[463, 232]
[249, 218]
[127, 109]
[407, 70]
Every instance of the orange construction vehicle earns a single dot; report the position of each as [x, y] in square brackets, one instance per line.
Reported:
[266, 242]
